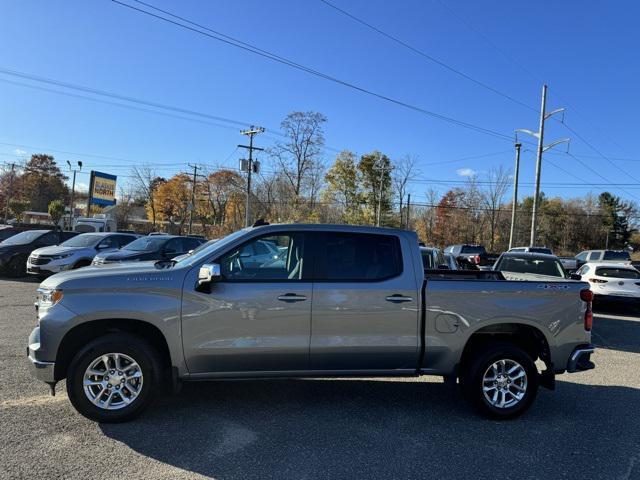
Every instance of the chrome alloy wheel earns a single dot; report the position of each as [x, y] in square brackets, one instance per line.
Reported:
[112, 381]
[504, 384]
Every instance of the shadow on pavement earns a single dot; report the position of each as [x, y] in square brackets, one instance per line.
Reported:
[385, 429]
[616, 334]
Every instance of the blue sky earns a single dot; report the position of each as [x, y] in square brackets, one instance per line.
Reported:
[585, 51]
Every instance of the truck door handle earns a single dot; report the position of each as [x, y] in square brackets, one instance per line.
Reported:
[291, 297]
[397, 298]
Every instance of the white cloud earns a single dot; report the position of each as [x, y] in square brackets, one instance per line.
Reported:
[466, 172]
[19, 152]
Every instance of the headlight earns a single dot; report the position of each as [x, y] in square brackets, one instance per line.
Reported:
[48, 297]
[61, 256]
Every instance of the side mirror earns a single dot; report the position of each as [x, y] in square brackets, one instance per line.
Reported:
[575, 276]
[209, 272]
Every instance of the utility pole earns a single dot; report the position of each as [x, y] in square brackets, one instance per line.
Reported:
[253, 131]
[515, 195]
[541, 149]
[408, 211]
[73, 191]
[379, 210]
[9, 193]
[192, 207]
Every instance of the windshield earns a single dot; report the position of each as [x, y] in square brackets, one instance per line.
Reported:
[536, 266]
[6, 233]
[146, 244]
[616, 255]
[473, 249]
[617, 272]
[23, 238]
[205, 252]
[84, 240]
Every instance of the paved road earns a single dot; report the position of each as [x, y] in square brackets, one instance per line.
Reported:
[312, 429]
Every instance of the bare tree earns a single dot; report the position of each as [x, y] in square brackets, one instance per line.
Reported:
[298, 156]
[146, 181]
[404, 170]
[498, 183]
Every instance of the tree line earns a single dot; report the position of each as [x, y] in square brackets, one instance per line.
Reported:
[298, 183]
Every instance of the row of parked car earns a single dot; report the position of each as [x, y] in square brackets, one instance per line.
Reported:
[612, 277]
[45, 252]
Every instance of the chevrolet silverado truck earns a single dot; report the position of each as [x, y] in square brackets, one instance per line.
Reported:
[326, 301]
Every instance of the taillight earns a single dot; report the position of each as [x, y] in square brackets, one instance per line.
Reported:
[586, 295]
[597, 280]
[476, 259]
[588, 320]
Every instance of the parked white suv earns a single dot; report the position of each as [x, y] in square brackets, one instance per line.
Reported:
[76, 252]
[611, 282]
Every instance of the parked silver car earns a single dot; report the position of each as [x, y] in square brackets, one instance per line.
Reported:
[76, 252]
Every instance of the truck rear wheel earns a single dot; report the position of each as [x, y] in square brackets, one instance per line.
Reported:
[113, 378]
[501, 381]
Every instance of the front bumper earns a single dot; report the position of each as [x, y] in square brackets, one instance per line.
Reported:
[580, 359]
[41, 370]
[46, 268]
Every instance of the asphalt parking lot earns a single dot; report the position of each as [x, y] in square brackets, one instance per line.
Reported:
[311, 429]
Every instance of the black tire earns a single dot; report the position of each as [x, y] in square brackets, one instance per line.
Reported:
[471, 380]
[17, 267]
[144, 355]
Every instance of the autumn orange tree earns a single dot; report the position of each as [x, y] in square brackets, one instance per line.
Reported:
[171, 202]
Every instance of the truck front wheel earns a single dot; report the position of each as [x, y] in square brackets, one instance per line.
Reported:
[501, 380]
[113, 378]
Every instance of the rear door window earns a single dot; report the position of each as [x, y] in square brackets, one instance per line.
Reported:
[617, 273]
[358, 257]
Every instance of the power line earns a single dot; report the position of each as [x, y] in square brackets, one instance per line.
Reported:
[535, 77]
[197, 28]
[425, 55]
[130, 99]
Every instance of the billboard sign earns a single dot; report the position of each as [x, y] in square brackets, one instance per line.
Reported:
[102, 189]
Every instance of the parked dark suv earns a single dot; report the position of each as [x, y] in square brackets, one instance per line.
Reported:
[151, 247]
[15, 250]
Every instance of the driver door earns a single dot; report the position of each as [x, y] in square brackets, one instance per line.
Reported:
[257, 317]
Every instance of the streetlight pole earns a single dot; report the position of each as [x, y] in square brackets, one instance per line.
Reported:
[515, 195]
[541, 149]
[73, 192]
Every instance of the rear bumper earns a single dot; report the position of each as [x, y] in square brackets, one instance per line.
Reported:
[580, 359]
[616, 299]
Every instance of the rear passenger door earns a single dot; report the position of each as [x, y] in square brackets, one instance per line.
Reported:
[365, 310]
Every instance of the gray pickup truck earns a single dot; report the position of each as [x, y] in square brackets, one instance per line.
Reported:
[303, 300]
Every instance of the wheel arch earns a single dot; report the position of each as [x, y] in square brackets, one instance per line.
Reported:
[83, 333]
[529, 337]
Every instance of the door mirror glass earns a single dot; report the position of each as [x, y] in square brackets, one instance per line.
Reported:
[575, 276]
[209, 272]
